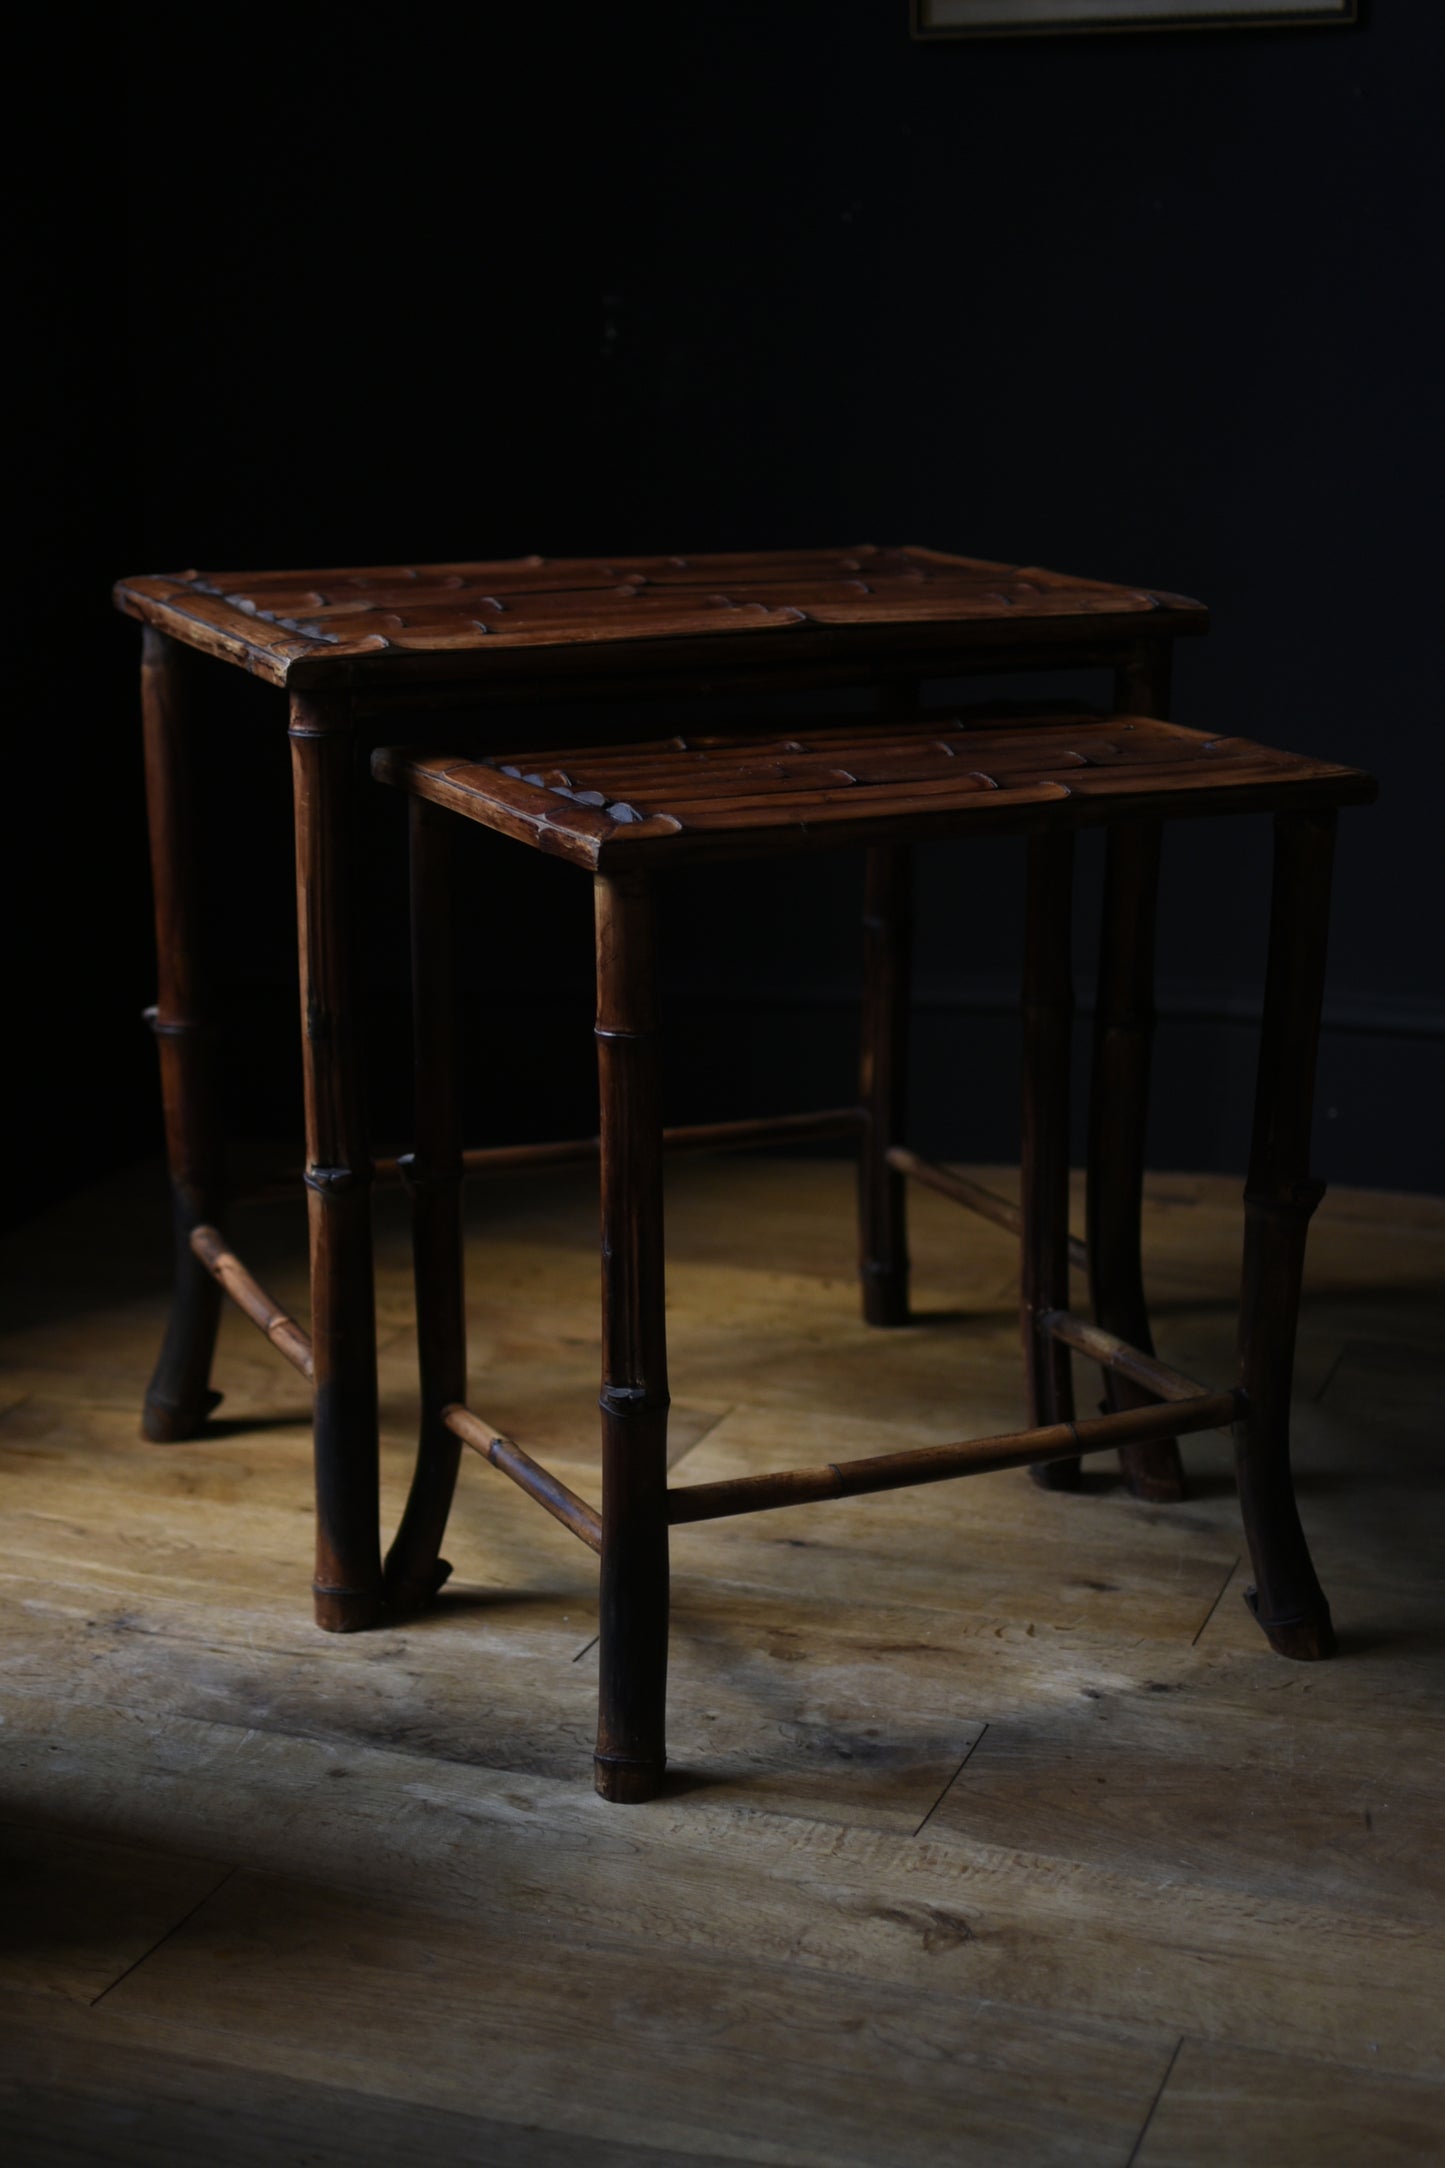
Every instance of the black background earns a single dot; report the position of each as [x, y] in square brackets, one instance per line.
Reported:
[324, 287]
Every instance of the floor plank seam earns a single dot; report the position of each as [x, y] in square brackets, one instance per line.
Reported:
[1154, 2104]
[1223, 1588]
[700, 1439]
[1324, 2058]
[1329, 1377]
[46, 1827]
[160, 1943]
[948, 1787]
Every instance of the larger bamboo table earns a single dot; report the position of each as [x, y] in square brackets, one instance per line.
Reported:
[356, 651]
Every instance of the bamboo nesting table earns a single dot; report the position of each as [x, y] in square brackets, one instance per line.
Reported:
[625, 815]
[365, 655]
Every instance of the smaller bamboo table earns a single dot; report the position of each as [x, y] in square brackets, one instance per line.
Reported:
[626, 814]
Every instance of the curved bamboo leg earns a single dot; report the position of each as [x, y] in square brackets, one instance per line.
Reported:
[347, 1586]
[179, 1396]
[631, 1719]
[1119, 1088]
[1048, 1007]
[1279, 1198]
[433, 1173]
[1118, 1115]
[882, 1205]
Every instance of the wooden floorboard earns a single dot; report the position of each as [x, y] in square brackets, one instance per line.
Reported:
[72, 2093]
[1263, 2110]
[995, 1832]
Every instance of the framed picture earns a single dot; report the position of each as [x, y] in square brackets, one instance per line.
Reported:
[1043, 18]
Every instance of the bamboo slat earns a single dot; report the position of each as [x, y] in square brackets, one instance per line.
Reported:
[529, 1475]
[938, 1463]
[250, 1296]
[316, 625]
[610, 807]
[1116, 1354]
[962, 1189]
[739, 1136]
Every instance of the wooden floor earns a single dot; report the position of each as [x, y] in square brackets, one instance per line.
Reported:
[997, 1834]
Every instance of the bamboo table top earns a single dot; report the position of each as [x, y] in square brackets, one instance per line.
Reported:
[618, 615]
[607, 807]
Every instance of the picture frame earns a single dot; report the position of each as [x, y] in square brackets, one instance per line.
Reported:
[1065, 18]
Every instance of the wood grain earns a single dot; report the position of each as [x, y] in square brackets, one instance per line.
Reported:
[70, 2093]
[984, 1798]
[768, 2065]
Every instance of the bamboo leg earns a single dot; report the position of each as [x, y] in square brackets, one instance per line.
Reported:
[631, 1749]
[1119, 1091]
[433, 1172]
[1118, 1110]
[179, 1397]
[1048, 1003]
[1279, 1198]
[882, 1205]
[338, 1175]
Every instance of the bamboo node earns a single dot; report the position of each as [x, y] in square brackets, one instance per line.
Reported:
[334, 1181]
[624, 1400]
[180, 1027]
[313, 727]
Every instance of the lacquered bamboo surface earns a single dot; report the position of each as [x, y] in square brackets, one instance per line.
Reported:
[465, 620]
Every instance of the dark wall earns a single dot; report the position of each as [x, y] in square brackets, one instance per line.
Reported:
[1154, 308]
